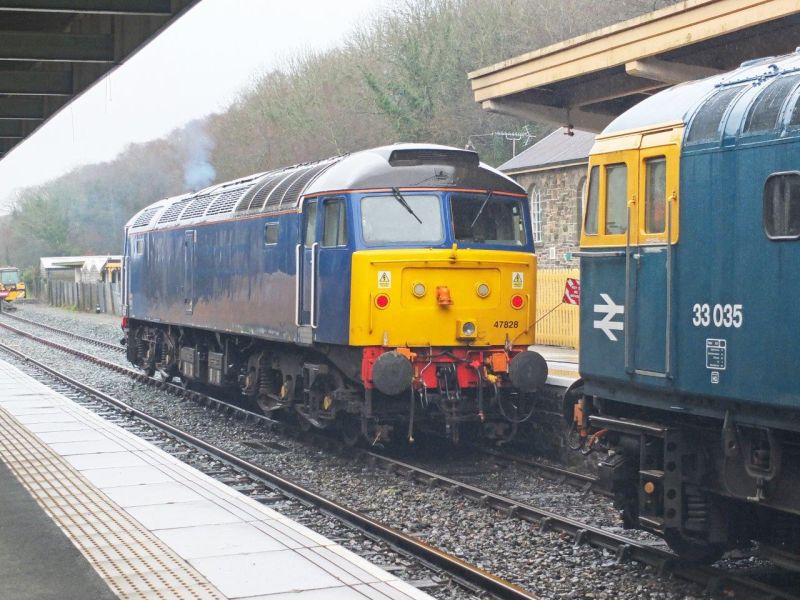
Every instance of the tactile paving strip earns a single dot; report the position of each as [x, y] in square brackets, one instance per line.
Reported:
[133, 562]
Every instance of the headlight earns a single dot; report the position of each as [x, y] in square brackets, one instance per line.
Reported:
[418, 289]
[483, 290]
[468, 329]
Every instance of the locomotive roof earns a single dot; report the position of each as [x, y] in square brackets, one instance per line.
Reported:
[682, 102]
[386, 167]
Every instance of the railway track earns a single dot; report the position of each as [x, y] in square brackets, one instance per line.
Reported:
[83, 338]
[715, 580]
[470, 577]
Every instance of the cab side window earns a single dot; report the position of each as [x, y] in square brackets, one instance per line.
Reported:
[655, 194]
[782, 206]
[334, 227]
[616, 199]
[311, 224]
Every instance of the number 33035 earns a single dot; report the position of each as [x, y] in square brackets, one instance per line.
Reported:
[721, 315]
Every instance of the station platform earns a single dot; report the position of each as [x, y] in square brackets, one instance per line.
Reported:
[562, 364]
[90, 511]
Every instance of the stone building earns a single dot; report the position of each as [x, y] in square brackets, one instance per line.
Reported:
[554, 172]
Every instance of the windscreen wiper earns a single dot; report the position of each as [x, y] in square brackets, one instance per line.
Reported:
[399, 197]
[480, 210]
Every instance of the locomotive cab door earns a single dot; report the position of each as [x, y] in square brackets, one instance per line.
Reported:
[324, 270]
[649, 259]
[306, 271]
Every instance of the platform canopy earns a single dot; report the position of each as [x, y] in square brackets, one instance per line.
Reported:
[587, 81]
[52, 50]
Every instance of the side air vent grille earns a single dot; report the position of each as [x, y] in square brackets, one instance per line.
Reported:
[145, 217]
[173, 212]
[225, 202]
[197, 207]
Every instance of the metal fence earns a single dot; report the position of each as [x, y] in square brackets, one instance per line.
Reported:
[560, 327]
[88, 297]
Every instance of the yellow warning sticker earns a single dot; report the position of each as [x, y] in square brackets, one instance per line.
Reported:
[517, 280]
[384, 279]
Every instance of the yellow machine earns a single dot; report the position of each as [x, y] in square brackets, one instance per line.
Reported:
[11, 285]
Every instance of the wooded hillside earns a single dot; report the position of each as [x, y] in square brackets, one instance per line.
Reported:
[400, 77]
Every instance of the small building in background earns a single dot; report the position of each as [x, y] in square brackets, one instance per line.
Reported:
[81, 269]
[554, 172]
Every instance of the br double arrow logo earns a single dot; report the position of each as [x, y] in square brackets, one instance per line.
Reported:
[607, 324]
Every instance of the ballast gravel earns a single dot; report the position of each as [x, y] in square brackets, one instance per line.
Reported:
[545, 563]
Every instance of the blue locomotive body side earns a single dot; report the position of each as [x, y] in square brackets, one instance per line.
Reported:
[222, 276]
[730, 261]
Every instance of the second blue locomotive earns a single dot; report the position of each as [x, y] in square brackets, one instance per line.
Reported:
[689, 319]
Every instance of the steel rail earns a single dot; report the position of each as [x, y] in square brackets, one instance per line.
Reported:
[456, 568]
[78, 336]
[583, 533]
[625, 548]
[585, 482]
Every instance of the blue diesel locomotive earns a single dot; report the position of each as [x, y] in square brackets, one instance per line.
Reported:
[689, 324]
[390, 288]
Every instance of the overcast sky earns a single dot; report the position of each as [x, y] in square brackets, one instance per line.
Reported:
[196, 67]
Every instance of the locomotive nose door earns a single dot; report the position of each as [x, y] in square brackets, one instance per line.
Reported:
[649, 260]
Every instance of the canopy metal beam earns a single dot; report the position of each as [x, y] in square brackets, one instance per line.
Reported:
[36, 83]
[101, 7]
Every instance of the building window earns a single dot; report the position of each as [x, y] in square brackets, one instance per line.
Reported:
[581, 191]
[782, 206]
[536, 215]
[593, 202]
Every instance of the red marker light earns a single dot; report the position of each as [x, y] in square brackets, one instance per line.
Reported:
[517, 301]
[382, 301]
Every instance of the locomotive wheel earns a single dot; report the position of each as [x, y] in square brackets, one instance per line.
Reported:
[693, 550]
[350, 430]
[571, 396]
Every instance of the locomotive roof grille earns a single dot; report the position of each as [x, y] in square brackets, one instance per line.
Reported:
[765, 111]
[279, 188]
[410, 157]
[197, 207]
[298, 185]
[145, 217]
[225, 202]
[256, 195]
[173, 212]
[706, 123]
